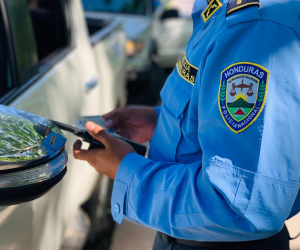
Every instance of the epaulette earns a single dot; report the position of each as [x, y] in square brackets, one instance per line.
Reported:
[235, 5]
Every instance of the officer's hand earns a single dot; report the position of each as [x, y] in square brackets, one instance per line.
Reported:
[105, 161]
[136, 123]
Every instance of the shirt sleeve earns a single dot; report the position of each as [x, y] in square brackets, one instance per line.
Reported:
[157, 109]
[246, 183]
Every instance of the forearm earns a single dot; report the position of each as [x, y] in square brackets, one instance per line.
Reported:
[178, 198]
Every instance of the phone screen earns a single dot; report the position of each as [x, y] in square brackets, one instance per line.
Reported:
[96, 119]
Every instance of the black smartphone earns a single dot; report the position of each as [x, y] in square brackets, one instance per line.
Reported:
[85, 136]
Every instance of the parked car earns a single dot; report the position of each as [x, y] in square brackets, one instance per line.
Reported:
[145, 76]
[52, 68]
[173, 32]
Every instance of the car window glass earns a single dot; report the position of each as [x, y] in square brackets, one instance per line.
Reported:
[23, 39]
[50, 24]
[116, 6]
[36, 34]
[6, 83]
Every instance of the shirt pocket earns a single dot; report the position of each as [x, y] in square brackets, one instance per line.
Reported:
[175, 95]
[263, 201]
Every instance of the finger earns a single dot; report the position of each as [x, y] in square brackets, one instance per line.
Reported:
[110, 114]
[122, 131]
[84, 155]
[117, 118]
[77, 145]
[132, 106]
[98, 133]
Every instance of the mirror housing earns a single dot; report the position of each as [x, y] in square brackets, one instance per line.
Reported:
[33, 158]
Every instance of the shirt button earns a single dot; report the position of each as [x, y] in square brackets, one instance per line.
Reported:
[117, 208]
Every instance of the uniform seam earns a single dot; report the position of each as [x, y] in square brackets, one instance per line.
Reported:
[266, 96]
[297, 21]
[120, 183]
[135, 173]
[154, 191]
[129, 187]
[257, 20]
[126, 200]
[253, 175]
[232, 204]
[237, 190]
[248, 203]
[241, 23]
[240, 232]
[190, 214]
[162, 190]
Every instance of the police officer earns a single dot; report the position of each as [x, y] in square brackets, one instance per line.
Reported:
[223, 168]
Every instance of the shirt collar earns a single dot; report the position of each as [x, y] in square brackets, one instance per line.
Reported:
[199, 5]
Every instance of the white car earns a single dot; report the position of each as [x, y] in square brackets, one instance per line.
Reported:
[51, 67]
[139, 18]
[173, 32]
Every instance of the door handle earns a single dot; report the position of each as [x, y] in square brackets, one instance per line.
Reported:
[91, 84]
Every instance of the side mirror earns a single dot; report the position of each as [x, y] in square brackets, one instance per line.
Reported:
[33, 158]
[170, 14]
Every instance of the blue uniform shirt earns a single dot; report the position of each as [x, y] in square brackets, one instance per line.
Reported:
[199, 5]
[224, 161]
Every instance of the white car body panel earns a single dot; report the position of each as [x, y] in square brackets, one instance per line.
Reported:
[137, 28]
[111, 68]
[173, 34]
[60, 95]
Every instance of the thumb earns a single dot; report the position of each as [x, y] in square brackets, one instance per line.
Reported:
[98, 133]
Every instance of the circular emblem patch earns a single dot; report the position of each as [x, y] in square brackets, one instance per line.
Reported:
[242, 94]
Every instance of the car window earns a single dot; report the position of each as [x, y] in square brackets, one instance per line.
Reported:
[34, 35]
[23, 40]
[39, 30]
[117, 6]
[50, 24]
[6, 83]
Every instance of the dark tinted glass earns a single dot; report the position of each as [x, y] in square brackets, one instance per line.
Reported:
[50, 25]
[6, 83]
[23, 39]
[116, 6]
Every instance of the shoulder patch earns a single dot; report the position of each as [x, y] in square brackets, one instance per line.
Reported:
[242, 94]
[213, 6]
[187, 71]
[234, 5]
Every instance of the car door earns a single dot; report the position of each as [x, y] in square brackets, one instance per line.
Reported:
[174, 34]
[172, 31]
[51, 72]
[108, 39]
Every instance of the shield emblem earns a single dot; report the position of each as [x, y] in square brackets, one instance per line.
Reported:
[242, 94]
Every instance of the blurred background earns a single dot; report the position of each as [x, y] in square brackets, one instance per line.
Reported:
[64, 59]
